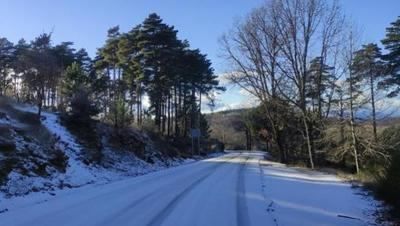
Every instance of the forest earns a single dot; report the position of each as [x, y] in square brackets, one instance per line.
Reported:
[146, 78]
[322, 93]
[323, 98]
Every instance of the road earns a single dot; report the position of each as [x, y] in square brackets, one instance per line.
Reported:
[230, 190]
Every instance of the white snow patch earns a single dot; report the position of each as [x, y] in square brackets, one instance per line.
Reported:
[122, 166]
[305, 197]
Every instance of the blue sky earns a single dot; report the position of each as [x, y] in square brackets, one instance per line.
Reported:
[202, 22]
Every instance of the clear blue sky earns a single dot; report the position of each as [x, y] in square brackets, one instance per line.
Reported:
[85, 22]
[202, 22]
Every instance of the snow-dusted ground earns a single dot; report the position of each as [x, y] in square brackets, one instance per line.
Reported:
[122, 165]
[234, 189]
[304, 197]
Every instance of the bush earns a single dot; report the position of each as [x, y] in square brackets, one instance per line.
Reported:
[79, 121]
[6, 166]
[389, 183]
[88, 137]
[119, 114]
[60, 161]
[82, 108]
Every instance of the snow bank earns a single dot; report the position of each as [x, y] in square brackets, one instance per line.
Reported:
[303, 197]
[121, 164]
[232, 190]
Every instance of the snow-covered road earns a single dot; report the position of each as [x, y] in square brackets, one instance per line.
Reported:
[233, 189]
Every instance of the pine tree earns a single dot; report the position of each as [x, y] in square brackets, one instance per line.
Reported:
[82, 58]
[319, 81]
[76, 89]
[392, 45]
[108, 65]
[368, 66]
[74, 80]
[40, 65]
[150, 60]
[119, 114]
[158, 42]
[20, 88]
[7, 51]
[129, 60]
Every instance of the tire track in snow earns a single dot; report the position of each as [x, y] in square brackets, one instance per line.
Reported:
[242, 212]
[122, 212]
[153, 194]
[133, 188]
[169, 208]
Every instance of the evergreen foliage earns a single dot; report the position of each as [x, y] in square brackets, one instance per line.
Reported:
[148, 62]
[392, 44]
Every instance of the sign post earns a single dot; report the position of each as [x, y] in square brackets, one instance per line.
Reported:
[195, 134]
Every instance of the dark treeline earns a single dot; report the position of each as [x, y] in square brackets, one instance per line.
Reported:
[303, 62]
[148, 62]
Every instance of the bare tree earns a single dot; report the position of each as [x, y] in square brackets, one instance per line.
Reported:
[271, 53]
[253, 49]
[352, 89]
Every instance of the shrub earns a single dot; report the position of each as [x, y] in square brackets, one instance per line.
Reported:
[389, 183]
[119, 114]
[59, 160]
[82, 108]
[6, 166]
[87, 135]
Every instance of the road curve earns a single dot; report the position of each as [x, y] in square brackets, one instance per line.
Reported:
[236, 189]
[209, 192]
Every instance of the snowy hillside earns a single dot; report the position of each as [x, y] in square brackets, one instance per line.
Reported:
[23, 178]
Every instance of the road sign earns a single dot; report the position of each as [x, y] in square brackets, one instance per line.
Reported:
[195, 133]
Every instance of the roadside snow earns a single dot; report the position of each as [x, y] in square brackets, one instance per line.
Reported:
[305, 197]
[122, 166]
[234, 189]
[77, 174]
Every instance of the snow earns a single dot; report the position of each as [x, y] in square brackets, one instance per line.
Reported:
[4, 121]
[77, 174]
[233, 189]
[304, 197]
[122, 165]
[9, 121]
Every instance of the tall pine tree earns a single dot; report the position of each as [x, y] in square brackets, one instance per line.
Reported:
[392, 45]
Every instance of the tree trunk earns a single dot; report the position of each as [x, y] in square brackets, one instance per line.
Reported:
[40, 96]
[176, 112]
[373, 107]
[352, 125]
[319, 95]
[193, 112]
[341, 116]
[309, 148]
[275, 133]
[353, 135]
[169, 115]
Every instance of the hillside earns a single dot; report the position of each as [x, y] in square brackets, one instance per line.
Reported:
[43, 155]
[230, 128]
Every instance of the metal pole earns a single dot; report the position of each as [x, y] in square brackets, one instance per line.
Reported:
[192, 146]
